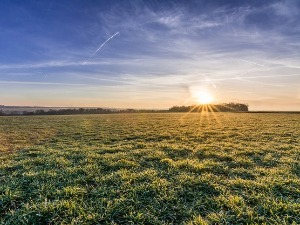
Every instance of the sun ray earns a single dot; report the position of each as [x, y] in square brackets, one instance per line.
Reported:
[212, 109]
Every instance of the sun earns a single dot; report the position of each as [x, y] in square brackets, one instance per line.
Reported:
[204, 97]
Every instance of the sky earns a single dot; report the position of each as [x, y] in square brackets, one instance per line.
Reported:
[150, 54]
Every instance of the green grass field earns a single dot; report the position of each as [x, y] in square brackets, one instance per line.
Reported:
[219, 168]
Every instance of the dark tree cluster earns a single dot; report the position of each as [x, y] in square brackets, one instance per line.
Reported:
[223, 107]
[229, 107]
[69, 111]
[87, 111]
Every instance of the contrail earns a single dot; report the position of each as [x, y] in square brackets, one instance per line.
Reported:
[100, 48]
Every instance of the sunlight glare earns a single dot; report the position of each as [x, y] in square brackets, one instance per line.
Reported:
[203, 97]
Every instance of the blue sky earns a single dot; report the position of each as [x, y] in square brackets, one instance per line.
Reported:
[162, 53]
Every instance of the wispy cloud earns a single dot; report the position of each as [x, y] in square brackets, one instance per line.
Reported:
[164, 46]
[39, 83]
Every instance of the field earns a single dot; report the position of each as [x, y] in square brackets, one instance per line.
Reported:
[218, 168]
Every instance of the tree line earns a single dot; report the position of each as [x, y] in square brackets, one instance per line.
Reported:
[224, 107]
[74, 111]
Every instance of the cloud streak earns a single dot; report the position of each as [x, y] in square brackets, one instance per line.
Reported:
[39, 83]
[98, 49]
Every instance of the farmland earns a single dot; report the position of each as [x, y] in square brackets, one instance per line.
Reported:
[170, 168]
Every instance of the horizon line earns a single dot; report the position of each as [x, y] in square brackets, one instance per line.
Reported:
[85, 107]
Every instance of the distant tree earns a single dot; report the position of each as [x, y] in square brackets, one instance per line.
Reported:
[25, 113]
[223, 107]
[40, 112]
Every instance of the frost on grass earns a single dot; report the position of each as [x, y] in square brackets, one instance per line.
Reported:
[220, 168]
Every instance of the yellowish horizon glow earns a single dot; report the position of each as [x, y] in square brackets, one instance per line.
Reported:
[204, 97]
